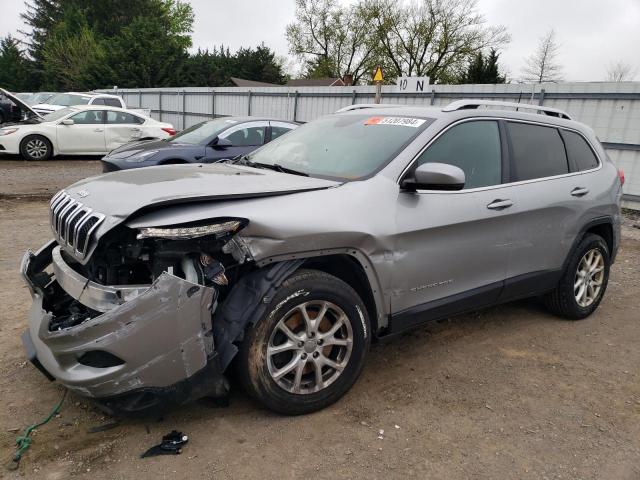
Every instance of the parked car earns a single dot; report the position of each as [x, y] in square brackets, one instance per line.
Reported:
[35, 98]
[62, 100]
[292, 259]
[206, 142]
[10, 108]
[79, 130]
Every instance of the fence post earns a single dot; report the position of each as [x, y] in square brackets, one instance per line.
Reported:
[295, 105]
[353, 98]
[249, 103]
[213, 104]
[160, 105]
[139, 98]
[541, 101]
[184, 109]
[433, 96]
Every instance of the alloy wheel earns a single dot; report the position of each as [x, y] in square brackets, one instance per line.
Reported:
[36, 148]
[589, 277]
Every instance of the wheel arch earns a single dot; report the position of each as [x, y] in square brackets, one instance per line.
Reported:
[602, 226]
[352, 267]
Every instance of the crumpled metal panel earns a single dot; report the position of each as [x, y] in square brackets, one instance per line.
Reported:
[163, 336]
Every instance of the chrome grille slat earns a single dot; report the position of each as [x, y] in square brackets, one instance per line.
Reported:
[73, 223]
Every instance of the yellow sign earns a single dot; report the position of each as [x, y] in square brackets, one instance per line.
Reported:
[377, 77]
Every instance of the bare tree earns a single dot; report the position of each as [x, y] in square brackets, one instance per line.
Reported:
[435, 38]
[418, 37]
[543, 66]
[331, 39]
[620, 72]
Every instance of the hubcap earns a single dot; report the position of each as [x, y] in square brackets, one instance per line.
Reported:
[36, 148]
[589, 277]
[310, 347]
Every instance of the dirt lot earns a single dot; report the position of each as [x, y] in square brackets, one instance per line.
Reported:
[509, 392]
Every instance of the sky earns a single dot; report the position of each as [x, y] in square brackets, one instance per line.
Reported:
[592, 34]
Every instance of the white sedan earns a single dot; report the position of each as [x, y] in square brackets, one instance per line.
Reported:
[79, 130]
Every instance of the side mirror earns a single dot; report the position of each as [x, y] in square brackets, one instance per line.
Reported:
[435, 176]
[67, 121]
[221, 143]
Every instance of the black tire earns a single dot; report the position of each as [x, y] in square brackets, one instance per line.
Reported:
[1, 118]
[562, 301]
[36, 143]
[253, 364]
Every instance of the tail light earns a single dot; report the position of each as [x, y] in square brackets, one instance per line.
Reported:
[170, 131]
[621, 176]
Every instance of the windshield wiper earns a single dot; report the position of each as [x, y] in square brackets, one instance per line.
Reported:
[244, 160]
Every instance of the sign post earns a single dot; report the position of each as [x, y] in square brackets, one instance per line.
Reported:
[378, 79]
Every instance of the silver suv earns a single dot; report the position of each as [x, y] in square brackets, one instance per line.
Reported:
[288, 262]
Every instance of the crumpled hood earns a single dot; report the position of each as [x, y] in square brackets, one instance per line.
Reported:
[118, 195]
[24, 106]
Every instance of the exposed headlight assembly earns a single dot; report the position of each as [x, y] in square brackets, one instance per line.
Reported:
[141, 157]
[185, 233]
[7, 131]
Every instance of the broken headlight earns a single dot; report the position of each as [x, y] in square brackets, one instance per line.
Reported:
[188, 232]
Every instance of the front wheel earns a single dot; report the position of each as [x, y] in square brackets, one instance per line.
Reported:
[584, 281]
[36, 147]
[309, 348]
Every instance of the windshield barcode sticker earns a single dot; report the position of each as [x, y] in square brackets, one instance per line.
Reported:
[399, 121]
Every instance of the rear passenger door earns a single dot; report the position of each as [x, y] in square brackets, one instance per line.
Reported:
[121, 128]
[452, 247]
[546, 220]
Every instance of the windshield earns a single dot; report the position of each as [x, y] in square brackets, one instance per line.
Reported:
[40, 98]
[200, 132]
[52, 117]
[342, 146]
[68, 99]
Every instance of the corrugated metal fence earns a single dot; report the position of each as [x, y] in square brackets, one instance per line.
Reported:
[611, 109]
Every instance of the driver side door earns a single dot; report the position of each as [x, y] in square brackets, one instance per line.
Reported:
[86, 135]
[452, 247]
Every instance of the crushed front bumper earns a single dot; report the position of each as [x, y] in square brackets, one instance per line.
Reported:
[141, 348]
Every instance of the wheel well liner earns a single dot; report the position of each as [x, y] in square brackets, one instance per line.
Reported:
[605, 230]
[349, 270]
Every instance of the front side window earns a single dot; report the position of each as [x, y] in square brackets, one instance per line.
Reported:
[345, 147]
[579, 152]
[122, 118]
[537, 151]
[246, 137]
[88, 117]
[203, 132]
[474, 147]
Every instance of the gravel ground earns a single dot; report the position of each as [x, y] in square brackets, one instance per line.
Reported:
[507, 392]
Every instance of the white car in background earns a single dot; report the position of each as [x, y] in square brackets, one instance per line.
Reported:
[79, 130]
[62, 100]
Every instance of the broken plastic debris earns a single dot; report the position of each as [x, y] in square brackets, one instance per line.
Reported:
[171, 444]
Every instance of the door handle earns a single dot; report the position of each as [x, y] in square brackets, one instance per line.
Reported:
[579, 191]
[500, 204]
[99, 130]
[135, 129]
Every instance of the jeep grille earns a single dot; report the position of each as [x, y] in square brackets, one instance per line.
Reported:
[73, 223]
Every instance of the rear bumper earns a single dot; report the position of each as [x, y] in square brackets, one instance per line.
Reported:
[143, 352]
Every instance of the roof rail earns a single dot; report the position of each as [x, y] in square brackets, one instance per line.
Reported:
[471, 104]
[360, 106]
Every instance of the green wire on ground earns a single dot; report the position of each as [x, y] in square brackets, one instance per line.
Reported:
[23, 441]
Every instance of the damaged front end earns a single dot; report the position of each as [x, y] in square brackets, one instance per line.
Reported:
[150, 320]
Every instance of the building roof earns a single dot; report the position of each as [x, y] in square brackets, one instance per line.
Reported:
[241, 82]
[316, 82]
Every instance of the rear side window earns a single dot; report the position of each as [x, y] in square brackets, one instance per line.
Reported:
[112, 102]
[278, 131]
[122, 118]
[97, 101]
[537, 151]
[472, 146]
[579, 152]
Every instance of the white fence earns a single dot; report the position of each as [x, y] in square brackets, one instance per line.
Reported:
[611, 109]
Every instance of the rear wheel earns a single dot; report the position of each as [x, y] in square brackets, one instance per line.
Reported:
[584, 282]
[36, 147]
[310, 346]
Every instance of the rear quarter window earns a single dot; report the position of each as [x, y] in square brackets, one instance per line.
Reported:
[580, 154]
[536, 152]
